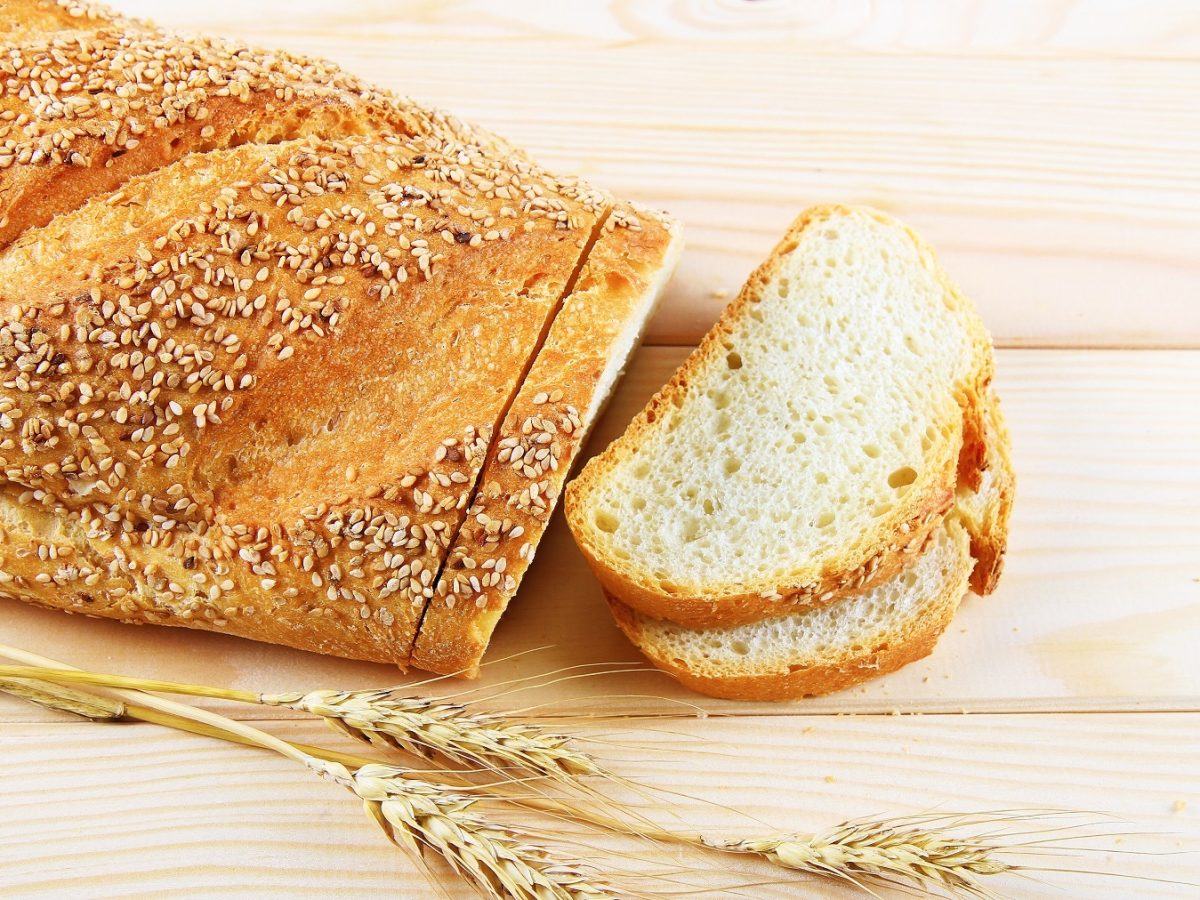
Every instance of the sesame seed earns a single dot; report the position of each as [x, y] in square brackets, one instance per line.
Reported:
[102, 391]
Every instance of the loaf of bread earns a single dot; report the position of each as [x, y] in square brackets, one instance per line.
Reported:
[777, 521]
[263, 327]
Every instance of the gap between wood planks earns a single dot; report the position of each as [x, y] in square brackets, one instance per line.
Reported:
[1013, 344]
[1053, 706]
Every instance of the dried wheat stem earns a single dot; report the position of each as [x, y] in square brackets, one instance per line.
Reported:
[125, 682]
[46, 667]
[433, 810]
[415, 812]
[387, 718]
[63, 699]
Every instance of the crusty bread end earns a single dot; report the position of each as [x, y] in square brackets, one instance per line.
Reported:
[985, 511]
[583, 356]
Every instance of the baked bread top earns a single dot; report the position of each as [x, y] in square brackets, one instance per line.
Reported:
[19, 18]
[808, 446]
[273, 372]
[89, 100]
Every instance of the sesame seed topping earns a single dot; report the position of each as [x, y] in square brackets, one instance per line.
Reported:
[118, 395]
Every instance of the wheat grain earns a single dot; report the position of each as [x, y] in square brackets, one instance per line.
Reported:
[432, 728]
[865, 852]
[497, 860]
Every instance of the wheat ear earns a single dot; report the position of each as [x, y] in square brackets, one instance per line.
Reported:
[415, 813]
[436, 728]
[873, 852]
[387, 718]
[497, 860]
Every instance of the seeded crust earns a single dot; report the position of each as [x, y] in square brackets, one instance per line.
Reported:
[89, 102]
[958, 459]
[584, 353]
[789, 677]
[19, 18]
[252, 391]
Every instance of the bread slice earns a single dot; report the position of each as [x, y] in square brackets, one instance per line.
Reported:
[858, 637]
[810, 444]
[819, 650]
[561, 397]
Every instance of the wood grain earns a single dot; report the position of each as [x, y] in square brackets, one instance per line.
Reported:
[1114, 28]
[1099, 608]
[133, 811]
[1050, 151]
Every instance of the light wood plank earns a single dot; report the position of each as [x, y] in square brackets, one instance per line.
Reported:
[1049, 151]
[132, 811]
[980, 27]
[1099, 608]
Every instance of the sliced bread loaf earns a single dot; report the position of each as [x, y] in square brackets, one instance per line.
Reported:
[808, 447]
[560, 398]
[819, 650]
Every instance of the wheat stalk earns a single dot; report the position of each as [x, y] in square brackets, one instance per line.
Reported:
[387, 718]
[416, 813]
[435, 811]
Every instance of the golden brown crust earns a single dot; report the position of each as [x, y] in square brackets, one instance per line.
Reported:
[89, 103]
[913, 641]
[20, 18]
[876, 557]
[256, 393]
[986, 516]
[542, 435]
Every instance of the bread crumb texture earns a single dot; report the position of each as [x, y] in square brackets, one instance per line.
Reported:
[820, 421]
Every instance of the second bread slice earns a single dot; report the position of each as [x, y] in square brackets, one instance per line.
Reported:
[819, 650]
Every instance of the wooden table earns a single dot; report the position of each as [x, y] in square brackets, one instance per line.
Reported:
[1051, 151]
